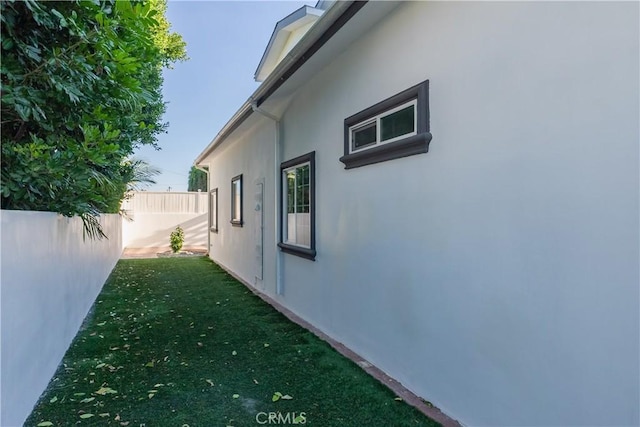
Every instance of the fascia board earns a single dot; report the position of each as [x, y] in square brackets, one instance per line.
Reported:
[279, 37]
[329, 17]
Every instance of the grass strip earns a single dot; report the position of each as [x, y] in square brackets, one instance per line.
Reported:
[179, 342]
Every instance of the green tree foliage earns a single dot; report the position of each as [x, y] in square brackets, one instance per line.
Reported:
[81, 90]
[197, 180]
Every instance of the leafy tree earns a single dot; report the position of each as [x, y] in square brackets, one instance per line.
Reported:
[81, 90]
[197, 180]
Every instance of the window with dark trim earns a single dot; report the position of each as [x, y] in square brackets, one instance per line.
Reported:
[236, 201]
[213, 210]
[393, 128]
[297, 199]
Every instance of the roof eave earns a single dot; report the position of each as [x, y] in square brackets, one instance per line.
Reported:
[307, 46]
[280, 35]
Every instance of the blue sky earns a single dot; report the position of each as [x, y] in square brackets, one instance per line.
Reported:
[225, 41]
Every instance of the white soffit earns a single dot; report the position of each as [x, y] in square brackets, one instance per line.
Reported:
[276, 100]
[284, 38]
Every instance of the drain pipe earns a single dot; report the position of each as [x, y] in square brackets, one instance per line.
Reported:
[276, 187]
[208, 207]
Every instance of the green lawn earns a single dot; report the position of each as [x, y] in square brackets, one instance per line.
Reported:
[178, 341]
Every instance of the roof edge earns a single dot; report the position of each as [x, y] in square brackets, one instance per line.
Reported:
[279, 28]
[329, 23]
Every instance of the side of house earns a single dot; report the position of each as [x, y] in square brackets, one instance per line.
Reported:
[495, 275]
[246, 246]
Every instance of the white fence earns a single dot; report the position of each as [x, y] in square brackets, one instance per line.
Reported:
[50, 279]
[153, 216]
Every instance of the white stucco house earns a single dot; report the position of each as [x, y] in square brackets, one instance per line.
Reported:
[450, 189]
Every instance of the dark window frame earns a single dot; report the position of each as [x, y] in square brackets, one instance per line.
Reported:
[308, 253]
[213, 214]
[237, 223]
[414, 144]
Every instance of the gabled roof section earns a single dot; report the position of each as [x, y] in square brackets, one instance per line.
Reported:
[329, 31]
[285, 36]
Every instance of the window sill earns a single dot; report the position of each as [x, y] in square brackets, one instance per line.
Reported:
[213, 230]
[298, 251]
[237, 223]
[415, 144]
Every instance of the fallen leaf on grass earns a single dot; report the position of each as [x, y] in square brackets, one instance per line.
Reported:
[210, 382]
[200, 344]
[235, 396]
[255, 381]
[45, 424]
[84, 416]
[150, 364]
[104, 414]
[79, 394]
[100, 365]
[105, 390]
[102, 323]
[234, 352]
[54, 399]
[159, 385]
[266, 345]
[277, 396]
[87, 400]
[399, 399]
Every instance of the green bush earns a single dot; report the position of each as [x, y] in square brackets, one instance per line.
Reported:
[177, 239]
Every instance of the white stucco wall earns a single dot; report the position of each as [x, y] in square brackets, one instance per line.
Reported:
[250, 153]
[49, 280]
[497, 275]
[149, 230]
[152, 216]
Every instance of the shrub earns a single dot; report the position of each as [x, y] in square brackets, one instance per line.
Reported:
[177, 239]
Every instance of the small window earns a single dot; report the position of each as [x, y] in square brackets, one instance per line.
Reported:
[387, 127]
[298, 198]
[236, 201]
[364, 135]
[213, 210]
[396, 127]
